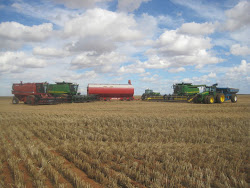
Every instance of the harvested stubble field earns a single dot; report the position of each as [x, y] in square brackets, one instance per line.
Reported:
[125, 144]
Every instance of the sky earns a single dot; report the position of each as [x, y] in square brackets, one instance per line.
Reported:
[153, 43]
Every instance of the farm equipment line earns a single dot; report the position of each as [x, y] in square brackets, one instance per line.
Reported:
[67, 92]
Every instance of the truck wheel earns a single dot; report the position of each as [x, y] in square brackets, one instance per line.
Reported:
[15, 100]
[234, 98]
[210, 100]
[220, 98]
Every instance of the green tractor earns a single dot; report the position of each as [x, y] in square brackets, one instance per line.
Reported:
[149, 93]
[210, 95]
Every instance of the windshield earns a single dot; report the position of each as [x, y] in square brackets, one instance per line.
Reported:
[73, 88]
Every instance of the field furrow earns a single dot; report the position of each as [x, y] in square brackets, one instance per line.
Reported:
[132, 144]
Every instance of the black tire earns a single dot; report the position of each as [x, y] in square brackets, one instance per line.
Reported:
[15, 100]
[234, 98]
[31, 99]
[195, 99]
[220, 98]
[143, 97]
[205, 100]
[210, 99]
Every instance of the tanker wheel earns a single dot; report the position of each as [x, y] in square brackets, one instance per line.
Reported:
[124, 98]
[234, 98]
[220, 98]
[31, 99]
[101, 99]
[15, 100]
[210, 99]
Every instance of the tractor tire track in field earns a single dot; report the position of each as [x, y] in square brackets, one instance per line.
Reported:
[86, 156]
[65, 165]
[8, 179]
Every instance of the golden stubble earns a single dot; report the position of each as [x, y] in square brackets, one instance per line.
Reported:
[125, 144]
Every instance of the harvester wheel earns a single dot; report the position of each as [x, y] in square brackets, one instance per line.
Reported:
[220, 98]
[234, 98]
[15, 100]
[205, 100]
[31, 99]
[210, 99]
[195, 99]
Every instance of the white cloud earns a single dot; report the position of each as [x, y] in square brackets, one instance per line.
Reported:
[76, 4]
[50, 52]
[239, 50]
[17, 31]
[12, 33]
[152, 79]
[197, 29]
[155, 62]
[130, 5]
[14, 62]
[100, 22]
[242, 70]
[107, 62]
[172, 43]
[205, 79]
[176, 70]
[173, 49]
[238, 17]
[132, 69]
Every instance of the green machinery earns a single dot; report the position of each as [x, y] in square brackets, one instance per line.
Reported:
[213, 94]
[63, 88]
[150, 93]
[186, 92]
[68, 92]
[183, 92]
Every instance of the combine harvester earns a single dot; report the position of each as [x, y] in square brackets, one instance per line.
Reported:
[45, 93]
[186, 92]
[106, 92]
[68, 92]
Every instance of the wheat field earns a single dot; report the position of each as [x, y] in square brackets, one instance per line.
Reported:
[125, 144]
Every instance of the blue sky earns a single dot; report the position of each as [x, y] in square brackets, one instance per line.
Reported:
[155, 43]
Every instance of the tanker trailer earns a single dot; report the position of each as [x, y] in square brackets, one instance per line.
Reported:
[112, 91]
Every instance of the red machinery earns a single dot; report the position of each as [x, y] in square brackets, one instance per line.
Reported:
[112, 91]
[32, 93]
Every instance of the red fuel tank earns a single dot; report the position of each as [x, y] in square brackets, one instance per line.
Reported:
[111, 90]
